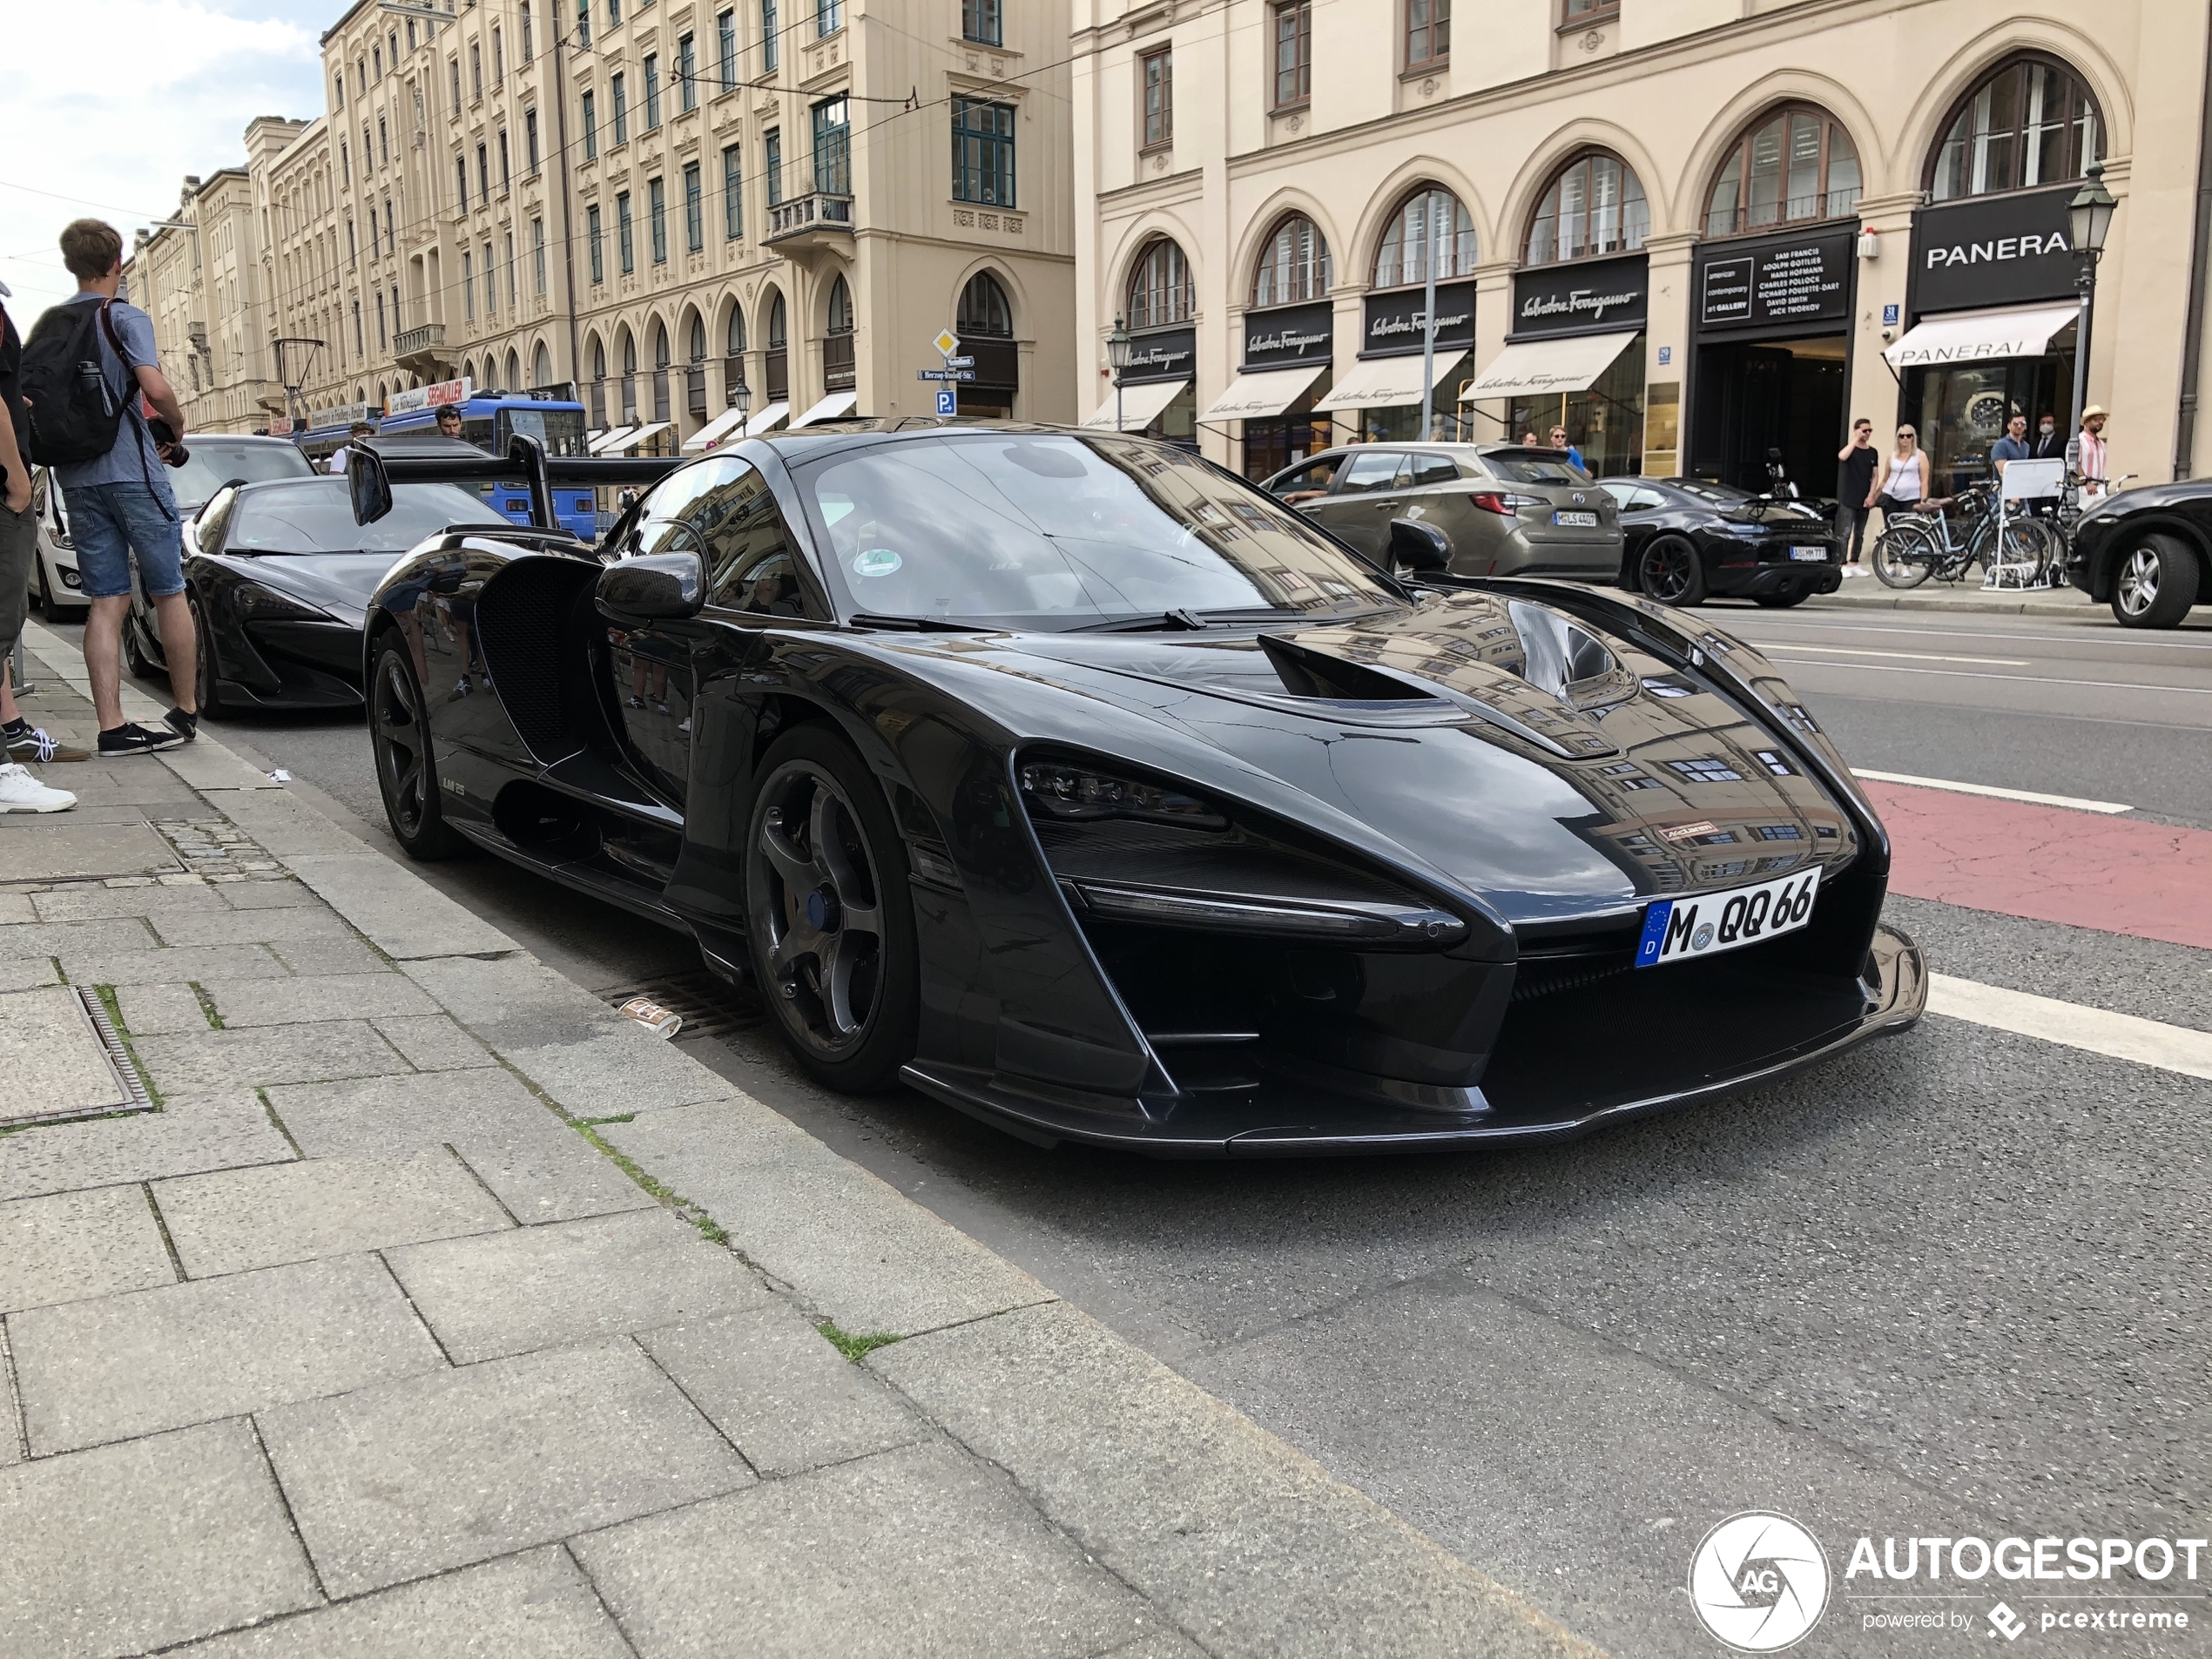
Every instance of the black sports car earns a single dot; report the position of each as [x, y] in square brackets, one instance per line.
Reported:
[2147, 552]
[279, 576]
[1091, 791]
[1686, 540]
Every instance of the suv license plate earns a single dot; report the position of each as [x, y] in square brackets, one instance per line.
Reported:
[1576, 521]
[1810, 554]
[1677, 929]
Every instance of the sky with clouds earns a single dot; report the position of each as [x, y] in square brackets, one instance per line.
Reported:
[109, 103]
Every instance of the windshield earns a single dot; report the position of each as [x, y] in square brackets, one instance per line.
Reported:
[559, 430]
[214, 463]
[1532, 467]
[318, 517]
[1719, 494]
[1055, 533]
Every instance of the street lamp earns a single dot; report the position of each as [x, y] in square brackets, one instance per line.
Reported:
[2088, 221]
[1119, 349]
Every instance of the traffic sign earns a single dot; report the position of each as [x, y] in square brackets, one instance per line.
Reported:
[947, 401]
[944, 374]
[946, 342]
[960, 362]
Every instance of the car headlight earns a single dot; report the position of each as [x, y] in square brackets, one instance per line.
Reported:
[257, 604]
[1072, 792]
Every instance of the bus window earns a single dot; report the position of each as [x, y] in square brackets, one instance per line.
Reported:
[559, 430]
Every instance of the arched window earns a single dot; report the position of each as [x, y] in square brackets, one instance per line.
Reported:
[779, 336]
[1593, 205]
[1295, 266]
[514, 373]
[469, 371]
[840, 307]
[984, 313]
[1797, 164]
[660, 344]
[629, 353]
[542, 365]
[2029, 122]
[599, 359]
[1159, 288]
[839, 371]
[698, 339]
[735, 344]
[1421, 219]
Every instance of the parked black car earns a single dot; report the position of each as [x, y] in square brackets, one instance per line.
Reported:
[279, 574]
[1089, 789]
[1686, 540]
[2147, 552]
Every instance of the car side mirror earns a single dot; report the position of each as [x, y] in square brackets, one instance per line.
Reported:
[654, 587]
[1418, 546]
[366, 482]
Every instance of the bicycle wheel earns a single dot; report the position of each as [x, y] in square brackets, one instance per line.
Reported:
[1904, 553]
[2019, 557]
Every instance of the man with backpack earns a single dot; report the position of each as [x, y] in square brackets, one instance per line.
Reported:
[19, 791]
[84, 369]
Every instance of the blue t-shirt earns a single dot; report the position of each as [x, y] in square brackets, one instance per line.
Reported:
[2010, 448]
[133, 459]
[1576, 457]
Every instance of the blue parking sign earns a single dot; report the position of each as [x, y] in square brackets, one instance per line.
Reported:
[947, 401]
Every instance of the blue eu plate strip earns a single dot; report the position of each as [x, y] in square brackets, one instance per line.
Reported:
[1655, 932]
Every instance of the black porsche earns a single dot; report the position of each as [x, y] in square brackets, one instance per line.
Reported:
[1089, 790]
[1687, 540]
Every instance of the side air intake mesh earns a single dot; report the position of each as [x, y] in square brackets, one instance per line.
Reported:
[518, 623]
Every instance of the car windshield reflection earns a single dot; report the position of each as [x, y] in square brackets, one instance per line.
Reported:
[316, 516]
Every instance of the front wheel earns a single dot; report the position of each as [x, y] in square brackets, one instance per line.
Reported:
[1904, 554]
[832, 930]
[407, 777]
[207, 672]
[2156, 584]
[1671, 572]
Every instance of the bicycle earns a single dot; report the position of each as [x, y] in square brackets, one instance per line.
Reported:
[1917, 545]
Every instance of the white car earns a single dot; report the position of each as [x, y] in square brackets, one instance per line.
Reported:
[55, 584]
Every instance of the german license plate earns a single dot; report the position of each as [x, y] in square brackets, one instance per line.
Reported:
[1576, 521]
[1677, 929]
[1810, 554]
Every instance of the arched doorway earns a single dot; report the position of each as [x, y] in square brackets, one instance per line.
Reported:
[1430, 229]
[984, 321]
[1290, 328]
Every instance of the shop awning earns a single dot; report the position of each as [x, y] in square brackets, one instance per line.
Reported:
[714, 431]
[829, 409]
[631, 445]
[1974, 336]
[1384, 382]
[1262, 393]
[606, 441]
[1141, 405]
[1543, 367]
[767, 418]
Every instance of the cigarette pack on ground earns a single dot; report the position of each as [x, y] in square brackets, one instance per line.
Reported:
[653, 1016]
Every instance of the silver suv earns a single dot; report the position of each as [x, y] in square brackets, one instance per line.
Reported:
[1506, 509]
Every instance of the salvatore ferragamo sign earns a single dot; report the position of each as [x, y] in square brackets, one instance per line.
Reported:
[1591, 296]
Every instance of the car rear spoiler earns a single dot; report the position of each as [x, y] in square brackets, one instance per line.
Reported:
[371, 471]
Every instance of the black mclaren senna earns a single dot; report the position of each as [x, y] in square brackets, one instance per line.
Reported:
[1087, 789]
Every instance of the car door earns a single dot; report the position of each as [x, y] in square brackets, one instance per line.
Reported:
[1640, 506]
[651, 663]
[1359, 508]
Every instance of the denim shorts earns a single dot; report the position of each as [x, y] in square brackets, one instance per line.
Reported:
[110, 522]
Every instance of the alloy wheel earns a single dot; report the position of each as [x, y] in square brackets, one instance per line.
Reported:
[2137, 588]
[821, 914]
[1668, 571]
[403, 750]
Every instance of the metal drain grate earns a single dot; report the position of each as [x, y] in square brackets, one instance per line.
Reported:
[711, 1007]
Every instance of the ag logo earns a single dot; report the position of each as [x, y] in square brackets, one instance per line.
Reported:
[1758, 1583]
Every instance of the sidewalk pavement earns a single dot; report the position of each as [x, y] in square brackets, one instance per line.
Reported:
[423, 1304]
[2068, 605]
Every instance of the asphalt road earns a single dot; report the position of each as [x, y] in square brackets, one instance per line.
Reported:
[1951, 1284]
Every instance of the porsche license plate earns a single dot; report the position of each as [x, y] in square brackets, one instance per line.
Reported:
[1576, 521]
[1677, 930]
[1810, 554]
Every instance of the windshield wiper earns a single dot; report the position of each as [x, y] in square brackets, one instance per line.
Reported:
[916, 624]
[1178, 621]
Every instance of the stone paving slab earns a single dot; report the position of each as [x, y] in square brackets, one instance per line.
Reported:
[12, 1450]
[432, 1042]
[507, 1293]
[853, 1248]
[87, 847]
[536, 1605]
[16, 907]
[148, 1011]
[153, 1541]
[97, 900]
[333, 956]
[228, 926]
[620, 1069]
[204, 1060]
[515, 999]
[22, 973]
[234, 1221]
[916, 1551]
[404, 920]
[90, 967]
[266, 896]
[546, 1176]
[92, 1372]
[111, 936]
[786, 1398]
[331, 996]
[68, 1246]
[284, 825]
[188, 1135]
[392, 1483]
[52, 1060]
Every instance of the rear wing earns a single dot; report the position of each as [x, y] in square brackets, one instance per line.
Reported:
[371, 471]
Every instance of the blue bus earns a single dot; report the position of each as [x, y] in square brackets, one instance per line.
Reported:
[489, 421]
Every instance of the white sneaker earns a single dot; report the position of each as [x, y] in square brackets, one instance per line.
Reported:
[21, 793]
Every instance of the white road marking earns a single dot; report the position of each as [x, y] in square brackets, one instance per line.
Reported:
[2062, 635]
[2120, 1036]
[1915, 656]
[2073, 801]
[2025, 679]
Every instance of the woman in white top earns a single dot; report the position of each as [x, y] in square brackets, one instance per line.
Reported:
[1901, 484]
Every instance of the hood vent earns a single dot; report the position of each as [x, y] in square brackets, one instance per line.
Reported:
[1307, 672]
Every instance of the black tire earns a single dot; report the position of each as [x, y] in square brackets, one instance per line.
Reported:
[207, 679]
[406, 774]
[1902, 556]
[1671, 571]
[134, 656]
[2155, 583]
[1782, 600]
[831, 929]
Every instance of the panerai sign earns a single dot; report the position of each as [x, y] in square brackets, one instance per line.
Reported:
[1992, 251]
[1593, 296]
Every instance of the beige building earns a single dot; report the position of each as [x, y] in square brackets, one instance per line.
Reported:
[650, 202]
[1687, 230]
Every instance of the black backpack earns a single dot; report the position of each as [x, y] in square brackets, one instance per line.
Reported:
[74, 413]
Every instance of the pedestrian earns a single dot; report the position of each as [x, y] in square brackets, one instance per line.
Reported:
[344, 452]
[1530, 441]
[120, 502]
[1856, 463]
[1574, 456]
[19, 791]
[2048, 445]
[1903, 482]
[448, 421]
[2012, 446]
[2091, 463]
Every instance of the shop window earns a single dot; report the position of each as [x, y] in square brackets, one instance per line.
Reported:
[1295, 266]
[984, 313]
[1428, 33]
[1796, 165]
[1419, 221]
[1593, 205]
[1160, 291]
[1293, 27]
[2030, 123]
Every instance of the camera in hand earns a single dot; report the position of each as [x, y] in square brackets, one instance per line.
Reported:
[173, 454]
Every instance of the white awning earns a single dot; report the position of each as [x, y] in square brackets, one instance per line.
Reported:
[606, 441]
[1542, 367]
[767, 418]
[1385, 382]
[1263, 393]
[714, 431]
[1141, 405]
[630, 445]
[829, 409]
[1975, 336]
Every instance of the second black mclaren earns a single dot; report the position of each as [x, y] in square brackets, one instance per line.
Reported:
[1088, 789]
